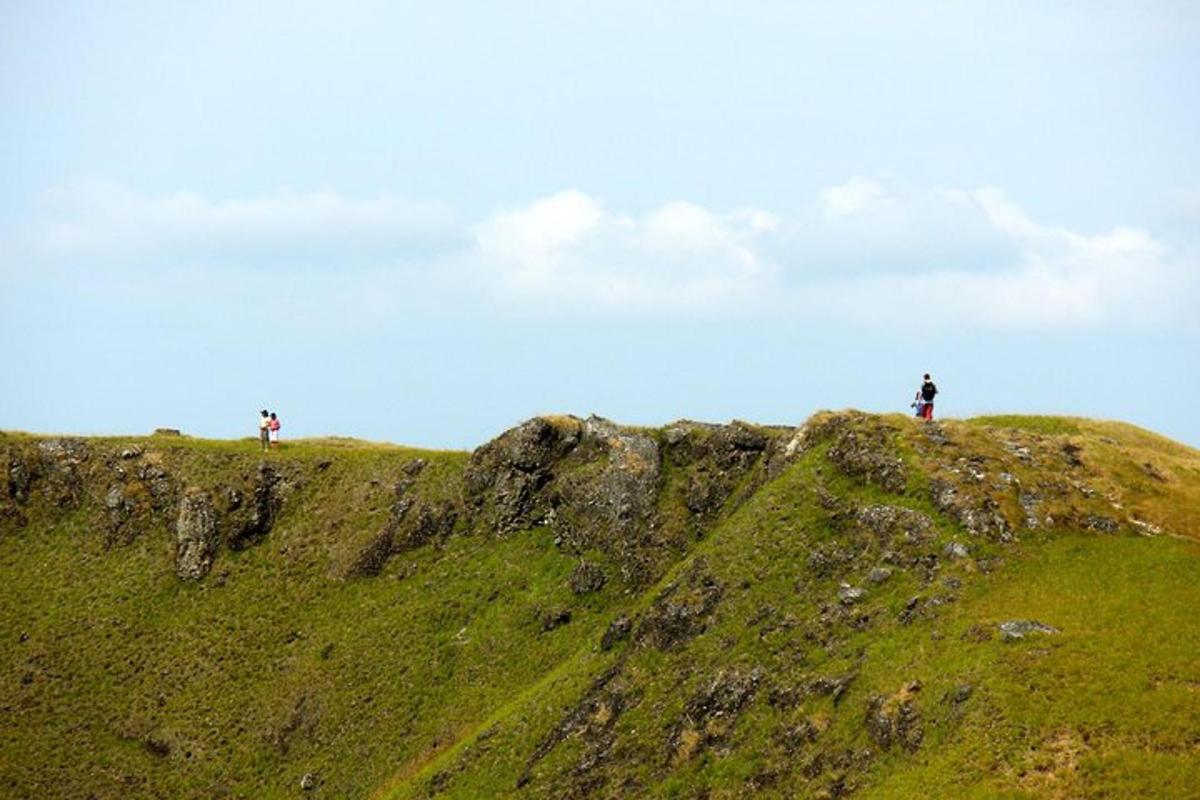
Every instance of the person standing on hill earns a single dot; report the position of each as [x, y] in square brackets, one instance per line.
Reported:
[264, 429]
[924, 398]
[274, 431]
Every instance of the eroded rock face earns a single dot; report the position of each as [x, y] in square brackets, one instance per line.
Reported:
[593, 720]
[504, 478]
[586, 578]
[718, 456]
[61, 462]
[861, 447]
[600, 486]
[890, 523]
[411, 523]
[869, 457]
[196, 536]
[681, 611]
[981, 515]
[709, 716]
[20, 478]
[250, 525]
[895, 721]
[611, 508]
[120, 508]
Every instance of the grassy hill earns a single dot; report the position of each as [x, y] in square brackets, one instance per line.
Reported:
[865, 605]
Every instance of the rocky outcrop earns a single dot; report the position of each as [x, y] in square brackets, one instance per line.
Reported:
[681, 611]
[196, 536]
[979, 514]
[411, 523]
[860, 447]
[593, 721]
[609, 503]
[894, 720]
[586, 578]
[20, 477]
[710, 715]
[250, 522]
[601, 487]
[894, 524]
[61, 464]
[717, 457]
[504, 480]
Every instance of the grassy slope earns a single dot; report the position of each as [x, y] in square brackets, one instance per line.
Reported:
[275, 669]
[437, 676]
[1109, 708]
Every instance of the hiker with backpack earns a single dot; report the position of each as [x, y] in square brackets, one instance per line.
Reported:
[923, 402]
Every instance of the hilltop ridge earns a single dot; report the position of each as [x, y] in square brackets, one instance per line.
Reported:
[586, 609]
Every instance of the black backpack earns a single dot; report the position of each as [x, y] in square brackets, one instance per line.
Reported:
[928, 390]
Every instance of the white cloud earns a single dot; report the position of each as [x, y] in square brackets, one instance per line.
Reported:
[852, 197]
[567, 249]
[873, 252]
[1053, 278]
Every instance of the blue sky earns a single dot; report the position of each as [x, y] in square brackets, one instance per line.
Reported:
[425, 222]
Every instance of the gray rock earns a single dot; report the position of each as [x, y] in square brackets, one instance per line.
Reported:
[889, 522]
[308, 782]
[849, 595]
[114, 498]
[20, 478]
[196, 536]
[505, 476]
[960, 693]
[1029, 504]
[708, 716]
[956, 550]
[62, 462]
[1101, 524]
[980, 516]
[879, 575]
[618, 631]
[681, 611]
[834, 686]
[895, 720]
[869, 456]
[586, 578]
[251, 527]
[1017, 629]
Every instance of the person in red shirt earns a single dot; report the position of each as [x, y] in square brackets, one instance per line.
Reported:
[273, 427]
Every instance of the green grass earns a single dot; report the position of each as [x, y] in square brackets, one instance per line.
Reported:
[1025, 422]
[1117, 686]
[437, 677]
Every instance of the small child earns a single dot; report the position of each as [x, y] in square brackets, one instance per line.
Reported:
[274, 431]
